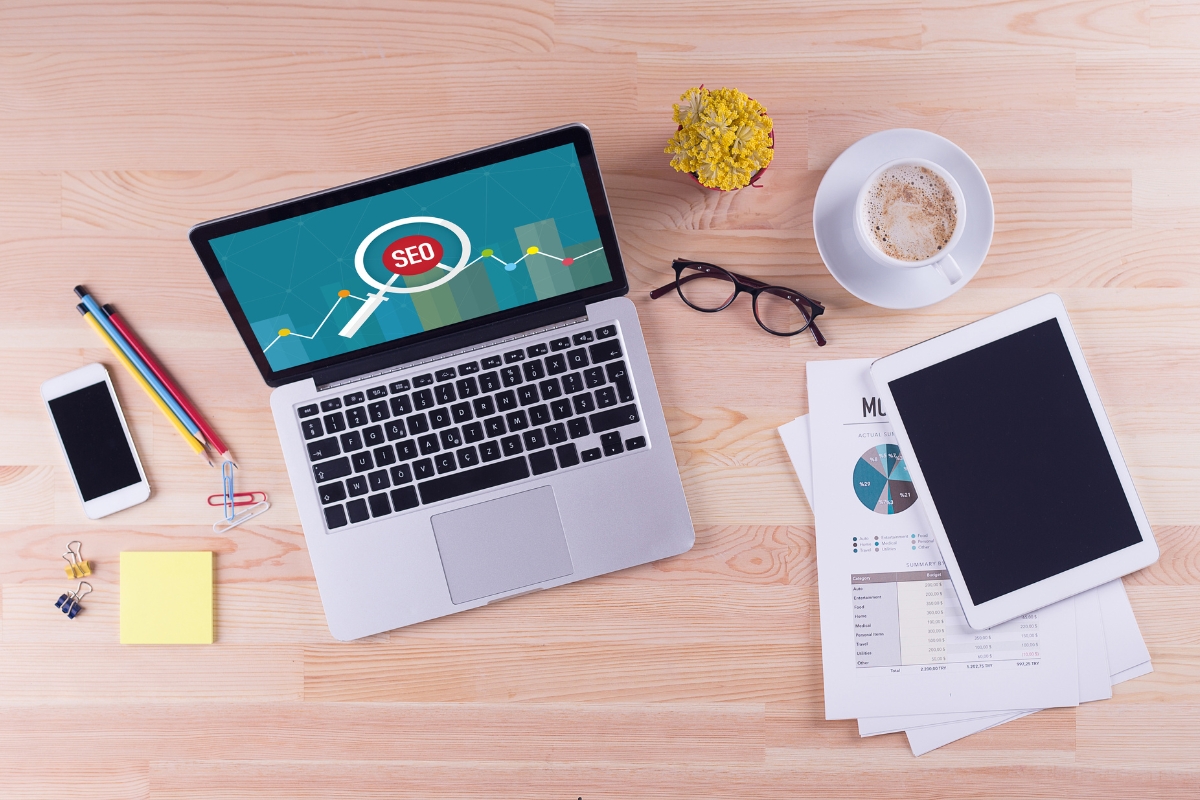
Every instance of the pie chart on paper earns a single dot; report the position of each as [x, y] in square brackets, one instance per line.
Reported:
[882, 482]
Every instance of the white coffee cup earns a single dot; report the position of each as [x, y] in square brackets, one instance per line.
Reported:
[942, 262]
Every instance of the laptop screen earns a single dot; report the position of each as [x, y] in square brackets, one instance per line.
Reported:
[403, 262]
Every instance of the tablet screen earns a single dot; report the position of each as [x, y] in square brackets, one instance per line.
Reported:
[1015, 462]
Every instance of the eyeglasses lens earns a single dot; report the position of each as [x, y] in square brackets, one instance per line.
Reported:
[778, 312]
[707, 290]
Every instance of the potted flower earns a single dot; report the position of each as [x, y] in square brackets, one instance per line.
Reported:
[725, 139]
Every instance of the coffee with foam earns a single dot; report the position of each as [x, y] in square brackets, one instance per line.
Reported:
[910, 212]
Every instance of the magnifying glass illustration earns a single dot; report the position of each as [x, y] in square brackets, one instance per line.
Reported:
[382, 290]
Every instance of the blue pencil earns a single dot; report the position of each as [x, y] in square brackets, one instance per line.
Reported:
[150, 377]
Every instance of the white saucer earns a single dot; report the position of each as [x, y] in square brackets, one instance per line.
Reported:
[833, 220]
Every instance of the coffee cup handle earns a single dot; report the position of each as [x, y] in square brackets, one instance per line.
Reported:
[949, 269]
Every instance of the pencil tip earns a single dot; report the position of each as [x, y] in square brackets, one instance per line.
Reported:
[82, 309]
[108, 309]
[80, 291]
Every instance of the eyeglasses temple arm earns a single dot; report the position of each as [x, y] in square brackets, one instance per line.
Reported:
[660, 291]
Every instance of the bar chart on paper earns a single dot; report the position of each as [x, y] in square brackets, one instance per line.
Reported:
[914, 620]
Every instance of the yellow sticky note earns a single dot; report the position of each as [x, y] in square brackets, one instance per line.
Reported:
[166, 598]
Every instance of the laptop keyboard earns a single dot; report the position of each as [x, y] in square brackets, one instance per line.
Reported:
[554, 403]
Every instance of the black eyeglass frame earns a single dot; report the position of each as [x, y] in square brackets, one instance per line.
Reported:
[810, 309]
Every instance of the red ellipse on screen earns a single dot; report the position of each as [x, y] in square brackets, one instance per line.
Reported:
[412, 255]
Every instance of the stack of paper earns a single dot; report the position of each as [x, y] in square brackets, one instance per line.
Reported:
[898, 654]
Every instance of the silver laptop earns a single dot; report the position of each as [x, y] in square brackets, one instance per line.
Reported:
[464, 399]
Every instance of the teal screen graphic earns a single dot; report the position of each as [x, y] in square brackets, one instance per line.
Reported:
[415, 259]
[882, 482]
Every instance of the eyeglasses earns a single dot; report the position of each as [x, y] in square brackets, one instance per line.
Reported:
[709, 288]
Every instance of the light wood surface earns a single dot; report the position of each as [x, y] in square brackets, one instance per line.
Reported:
[123, 124]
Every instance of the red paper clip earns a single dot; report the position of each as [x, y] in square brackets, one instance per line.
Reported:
[239, 498]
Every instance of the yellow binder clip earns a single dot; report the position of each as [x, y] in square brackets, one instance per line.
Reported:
[76, 566]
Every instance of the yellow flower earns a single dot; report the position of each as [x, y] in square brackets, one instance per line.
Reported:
[724, 137]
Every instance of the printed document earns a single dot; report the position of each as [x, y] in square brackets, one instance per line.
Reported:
[894, 638]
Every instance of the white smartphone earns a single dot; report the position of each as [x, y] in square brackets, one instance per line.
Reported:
[94, 438]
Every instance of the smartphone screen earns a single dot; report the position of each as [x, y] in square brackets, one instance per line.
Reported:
[90, 428]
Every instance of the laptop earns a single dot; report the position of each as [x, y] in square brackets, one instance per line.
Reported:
[463, 394]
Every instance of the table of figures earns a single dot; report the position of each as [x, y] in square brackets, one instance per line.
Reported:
[914, 618]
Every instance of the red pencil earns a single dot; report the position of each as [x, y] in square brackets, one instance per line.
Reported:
[160, 373]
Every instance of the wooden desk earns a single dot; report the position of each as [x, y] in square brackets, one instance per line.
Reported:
[123, 124]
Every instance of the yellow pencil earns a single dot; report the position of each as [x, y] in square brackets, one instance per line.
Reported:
[146, 387]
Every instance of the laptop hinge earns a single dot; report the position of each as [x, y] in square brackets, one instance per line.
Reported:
[437, 351]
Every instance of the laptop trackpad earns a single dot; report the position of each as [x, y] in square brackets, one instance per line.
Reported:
[501, 545]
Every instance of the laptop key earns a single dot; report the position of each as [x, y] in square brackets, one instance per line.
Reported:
[417, 423]
[556, 364]
[467, 387]
[331, 470]
[582, 338]
[572, 383]
[451, 438]
[439, 418]
[517, 421]
[357, 485]
[513, 356]
[578, 427]
[577, 359]
[378, 480]
[619, 375]
[357, 509]
[362, 461]
[445, 393]
[527, 394]
[511, 445]
[372, 436]
[401, 405]
[401, 474]
[331, 493]
[614, 418]
[584, 404]
[357, 417]
[444, 463]
[324, 448]
[489, 451]
[306, 411]
[406, 450]
[484, 407]
[461, 412]
[506, 401]
[534, 439]
[556, 434]
[335, 422]
[636, 443]
[611, 442]
[491, 362]
[542, 462]
[469, 368]
[331, 404]
[380, 507]
[494, 427]
[398, 386]
[550, 389]
[606, 332]
[605, 351]
[394, 430]
[539, 415]
[423, 468]
[404, 499]
[467, 457]
[384, 455]
[354, 398]
[511, 376]
[376, 392]
[536, 350]
[445, 374]
[560, 344]
[422, 399]
[568, 456]
[489, 381]
[429, 444]
[335, 517]
[594, 377]
[561, 409]
[591, 455]
[473, 432]
[488, 476]
[606, 397]
[378, 411]
[423, 380]
[351, 441]
[534, 370]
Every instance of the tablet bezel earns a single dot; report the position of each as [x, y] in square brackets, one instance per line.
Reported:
[1064, 584]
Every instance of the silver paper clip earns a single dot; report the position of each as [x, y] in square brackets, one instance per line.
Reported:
[230, 502]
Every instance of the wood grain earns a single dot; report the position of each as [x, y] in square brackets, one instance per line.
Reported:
[122, 124]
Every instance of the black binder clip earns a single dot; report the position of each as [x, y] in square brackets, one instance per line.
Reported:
[68, 602]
